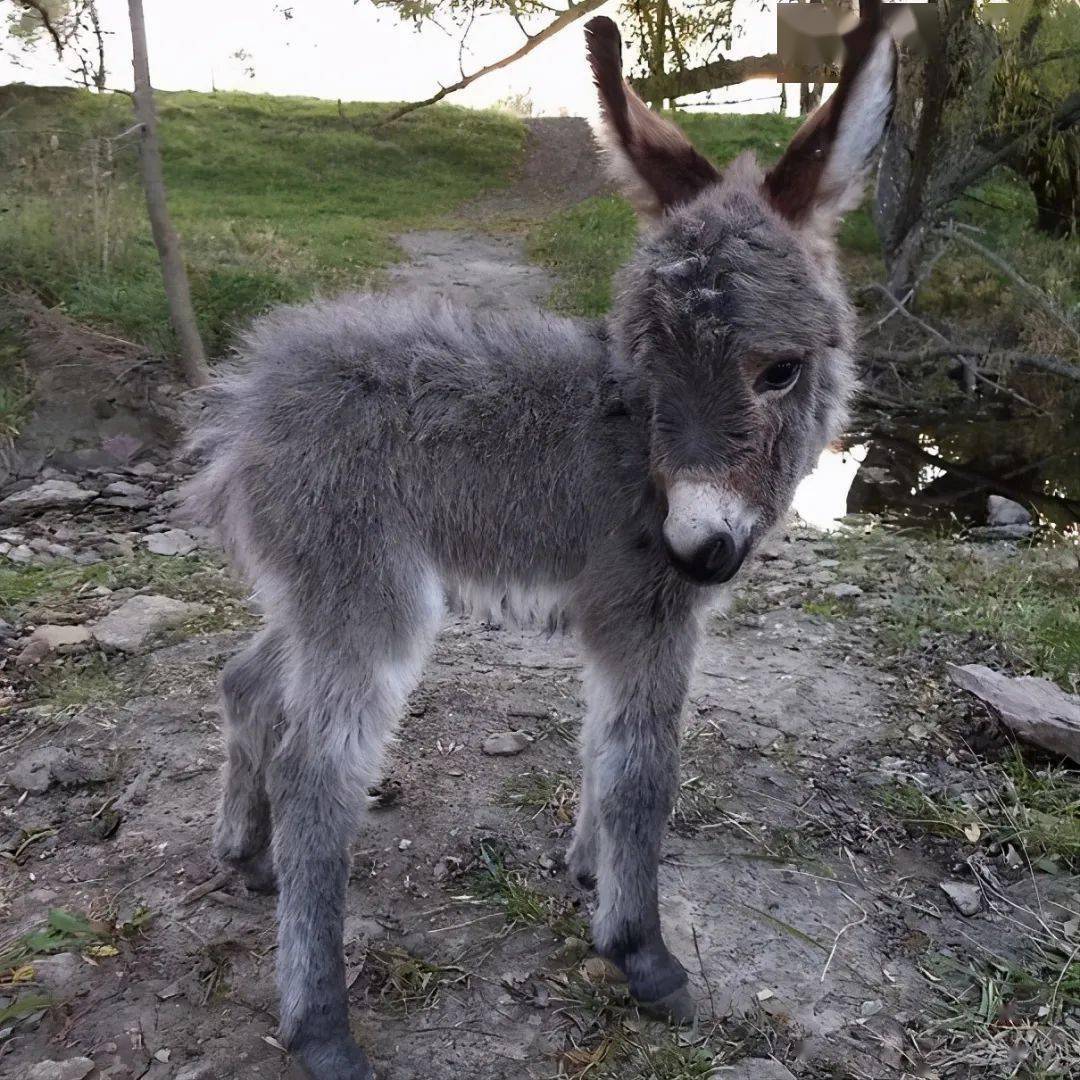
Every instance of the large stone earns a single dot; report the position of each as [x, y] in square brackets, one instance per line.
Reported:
[505, 743]
[72, 1069]
[48, 495]
[171, 542]
[131, 626]
[1002, 511]
[38, 769]
[1035, 709]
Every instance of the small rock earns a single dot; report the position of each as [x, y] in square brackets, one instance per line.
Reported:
[1002, 511]
[598, 970]
[72, 1069]
[404, 845]
[505, 744]
[116, 548]
[871, 1008]
[757, 1069]
[21, 554]
[60, 974]
[1000, 532]
[162, 1055]
[166, 993]
[843, 590]
[49, 495]
[136, 621]
[967, 899]
[32, 653]
[58, 638]
[198, 1070]
[122, 487]
[171, 542]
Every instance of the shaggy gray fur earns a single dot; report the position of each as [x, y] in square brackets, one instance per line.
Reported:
[370, 457]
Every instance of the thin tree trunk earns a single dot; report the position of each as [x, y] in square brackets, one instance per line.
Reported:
[570, 15]
[177, 290]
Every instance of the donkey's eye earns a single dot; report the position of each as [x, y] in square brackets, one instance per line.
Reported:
[779, 376]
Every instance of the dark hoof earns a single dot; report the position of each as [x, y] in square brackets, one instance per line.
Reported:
[658, 982]
[582, 868]
[338, 1060]
[678, 1007]
[258, 873]
[585, 880]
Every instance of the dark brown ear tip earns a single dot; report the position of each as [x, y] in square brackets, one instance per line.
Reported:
[601, 34]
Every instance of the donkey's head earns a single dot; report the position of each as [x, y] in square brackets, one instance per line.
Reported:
[733, 307]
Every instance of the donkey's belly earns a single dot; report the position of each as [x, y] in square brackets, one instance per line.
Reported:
[540, 607]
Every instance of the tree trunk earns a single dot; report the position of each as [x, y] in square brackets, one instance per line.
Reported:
[177, 290]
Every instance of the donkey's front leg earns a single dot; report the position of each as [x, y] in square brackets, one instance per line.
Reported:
[632, 764]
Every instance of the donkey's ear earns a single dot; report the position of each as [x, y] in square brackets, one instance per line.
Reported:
[650, 159]
[822, 174]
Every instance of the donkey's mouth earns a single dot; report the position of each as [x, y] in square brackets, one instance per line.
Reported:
[712, 563]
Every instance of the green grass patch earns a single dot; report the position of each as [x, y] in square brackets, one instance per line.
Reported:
[584, 246]
[537, 792]
[1025, 604]
[274, 197]
[494, 881]
[1036, 811]
[405, 983]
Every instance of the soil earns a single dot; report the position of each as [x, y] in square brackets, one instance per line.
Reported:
[795, 902]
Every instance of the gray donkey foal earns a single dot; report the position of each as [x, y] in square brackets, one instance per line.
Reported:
[373, 455]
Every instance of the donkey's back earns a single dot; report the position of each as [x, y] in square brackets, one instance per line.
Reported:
[375, 422]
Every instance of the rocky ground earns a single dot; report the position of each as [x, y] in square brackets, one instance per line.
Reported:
[828, 930]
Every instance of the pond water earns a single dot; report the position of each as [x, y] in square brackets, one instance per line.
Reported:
[936, 471]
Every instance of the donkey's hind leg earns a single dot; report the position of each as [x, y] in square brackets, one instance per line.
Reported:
[356, 653]
[251, 696]
[641, 642]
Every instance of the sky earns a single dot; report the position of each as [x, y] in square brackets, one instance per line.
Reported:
[356, 52]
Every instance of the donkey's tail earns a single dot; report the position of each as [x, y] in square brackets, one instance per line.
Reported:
[210, 497]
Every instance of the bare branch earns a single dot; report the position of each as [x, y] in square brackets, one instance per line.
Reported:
[711, 76]
[1050, 364]
[43, 14]
[1034, 292]
[570, 15]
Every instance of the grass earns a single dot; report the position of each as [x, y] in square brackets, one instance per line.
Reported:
[274, 198]
[509, 888]
[537, 792]
[584, 246]
[1025, 606]
[60, 586]
[14, 386]
[405, 983]
[1034, 810]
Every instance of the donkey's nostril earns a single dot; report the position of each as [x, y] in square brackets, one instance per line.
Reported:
[715, 561]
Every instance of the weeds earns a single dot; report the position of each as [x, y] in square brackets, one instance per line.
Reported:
[407, 983]
[1024, 605]
[522, 905]
[544, 793]
[1035, 811]
[62, 932]
[611, 1040]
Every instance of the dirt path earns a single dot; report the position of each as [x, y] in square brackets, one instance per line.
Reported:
[798, 908]
[486, 269]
